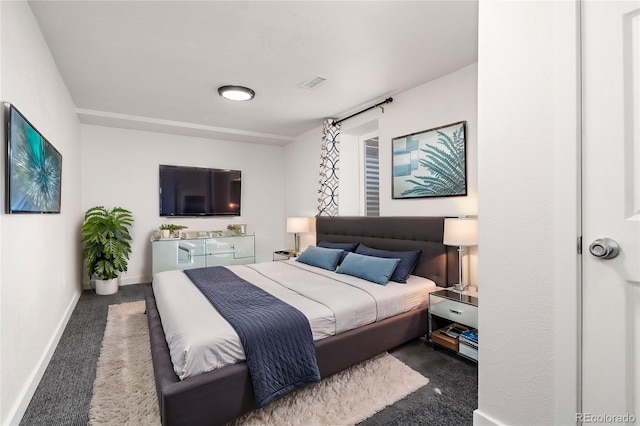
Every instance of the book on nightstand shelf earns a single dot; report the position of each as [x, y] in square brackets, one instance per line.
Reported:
[470, 338]
[454, 330]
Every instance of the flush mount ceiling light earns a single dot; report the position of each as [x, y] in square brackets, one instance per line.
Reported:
[236, 93]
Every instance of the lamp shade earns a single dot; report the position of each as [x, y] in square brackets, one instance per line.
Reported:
[297, 224]
[460, 232]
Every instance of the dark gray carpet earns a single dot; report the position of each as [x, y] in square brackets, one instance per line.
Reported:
[448, 399]
[64, 394]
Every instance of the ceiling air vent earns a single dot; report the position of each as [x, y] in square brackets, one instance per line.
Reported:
[313, 83]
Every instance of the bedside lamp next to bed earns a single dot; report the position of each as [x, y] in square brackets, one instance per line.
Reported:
[461, 233]
[296, 226]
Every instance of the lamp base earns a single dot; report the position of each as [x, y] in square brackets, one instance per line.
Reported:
[459, 287]
[296, 238]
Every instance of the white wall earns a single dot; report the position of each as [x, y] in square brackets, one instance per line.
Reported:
[446, 100]
[39, 272]
[120, 168]
[302, 163]
[528, 208]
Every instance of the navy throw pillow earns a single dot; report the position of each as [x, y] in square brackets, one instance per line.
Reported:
[347, 247]
[408, 260]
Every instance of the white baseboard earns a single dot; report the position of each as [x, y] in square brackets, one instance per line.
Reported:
[482, 419]
[123, 281]
[18, 410]
[135, 280]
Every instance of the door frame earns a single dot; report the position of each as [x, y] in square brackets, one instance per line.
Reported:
[568, 210]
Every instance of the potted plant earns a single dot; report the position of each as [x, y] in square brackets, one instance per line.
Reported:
[169, 228]
[106, 245]
[235, 229]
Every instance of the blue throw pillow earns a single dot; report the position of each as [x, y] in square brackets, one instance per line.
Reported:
[347, 247]
[321, 257]
[374, 269]
[408, 260]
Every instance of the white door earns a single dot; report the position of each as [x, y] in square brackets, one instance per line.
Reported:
[611, 210]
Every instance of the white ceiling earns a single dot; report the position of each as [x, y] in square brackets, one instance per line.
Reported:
[157, 65]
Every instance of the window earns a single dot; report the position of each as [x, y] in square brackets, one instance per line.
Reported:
[371, 177]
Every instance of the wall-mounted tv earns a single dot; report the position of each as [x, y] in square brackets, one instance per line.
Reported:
[197, 191]
[34, 169]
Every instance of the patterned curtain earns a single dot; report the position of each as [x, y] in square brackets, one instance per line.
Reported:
[329, 157]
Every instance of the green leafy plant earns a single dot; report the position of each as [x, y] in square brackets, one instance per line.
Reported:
[446, 164]
[236, 229]
[171, 227]
[106, 241]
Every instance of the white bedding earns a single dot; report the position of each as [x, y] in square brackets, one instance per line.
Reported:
[201, 340]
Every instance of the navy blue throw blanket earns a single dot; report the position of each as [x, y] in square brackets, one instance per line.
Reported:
[276, 337]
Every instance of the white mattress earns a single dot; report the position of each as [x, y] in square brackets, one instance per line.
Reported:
[201, 340]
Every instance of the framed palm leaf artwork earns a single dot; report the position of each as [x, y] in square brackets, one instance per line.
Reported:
[431, 163]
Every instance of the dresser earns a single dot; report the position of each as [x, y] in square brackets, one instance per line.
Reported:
[172, 254]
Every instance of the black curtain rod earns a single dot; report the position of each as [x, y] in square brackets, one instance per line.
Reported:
[386, 101]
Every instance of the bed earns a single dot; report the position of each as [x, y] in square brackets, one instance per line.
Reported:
[225, 393]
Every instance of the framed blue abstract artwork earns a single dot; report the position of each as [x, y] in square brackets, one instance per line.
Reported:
[34, 169]
[430, 163]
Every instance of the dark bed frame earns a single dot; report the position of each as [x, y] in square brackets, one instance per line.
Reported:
[222, 395]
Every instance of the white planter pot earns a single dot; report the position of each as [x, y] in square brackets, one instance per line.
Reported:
[104, 287]
[166, 234]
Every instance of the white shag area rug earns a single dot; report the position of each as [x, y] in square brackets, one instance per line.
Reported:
[124, 390]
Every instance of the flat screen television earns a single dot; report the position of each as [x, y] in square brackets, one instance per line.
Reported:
[34, 169]
[197, 191]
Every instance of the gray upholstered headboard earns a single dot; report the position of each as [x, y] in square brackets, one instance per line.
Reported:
[437, 262]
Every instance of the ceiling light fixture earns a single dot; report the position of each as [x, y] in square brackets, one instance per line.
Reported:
[236, 93]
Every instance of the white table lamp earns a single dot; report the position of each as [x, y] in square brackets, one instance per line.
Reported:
[461, 233]
[296, 226]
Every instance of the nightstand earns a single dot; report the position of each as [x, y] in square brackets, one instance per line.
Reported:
[448, 308]
[284, 254]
